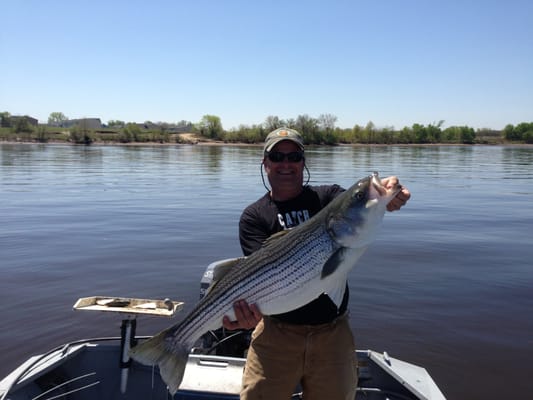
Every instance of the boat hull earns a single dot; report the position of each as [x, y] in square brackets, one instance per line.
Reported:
[92, 369]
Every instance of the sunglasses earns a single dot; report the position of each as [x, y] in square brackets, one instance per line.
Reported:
[293, 156]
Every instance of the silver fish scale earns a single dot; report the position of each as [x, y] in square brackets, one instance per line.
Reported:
[277, 280]
[261, 279]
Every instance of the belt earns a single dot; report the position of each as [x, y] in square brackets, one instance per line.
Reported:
[307, 327]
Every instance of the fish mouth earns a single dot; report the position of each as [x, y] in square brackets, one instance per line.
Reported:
[376, 184]
[382, 190]
[379, 193]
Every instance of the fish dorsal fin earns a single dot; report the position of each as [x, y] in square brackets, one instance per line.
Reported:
[221, 269]
[333, 263]
[276, 236]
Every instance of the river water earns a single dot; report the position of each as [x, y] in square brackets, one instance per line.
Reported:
[448, 284]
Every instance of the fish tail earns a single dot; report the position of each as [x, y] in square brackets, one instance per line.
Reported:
[171, 360]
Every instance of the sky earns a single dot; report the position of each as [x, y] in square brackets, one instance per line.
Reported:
[390, 62]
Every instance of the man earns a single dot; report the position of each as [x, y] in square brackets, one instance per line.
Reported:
[312, 345]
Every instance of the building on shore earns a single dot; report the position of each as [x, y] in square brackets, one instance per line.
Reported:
[85, 123]
[13, 120]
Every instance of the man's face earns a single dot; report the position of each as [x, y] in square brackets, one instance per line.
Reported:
[284, 174]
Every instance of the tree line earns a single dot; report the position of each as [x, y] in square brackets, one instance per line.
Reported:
[320, 130]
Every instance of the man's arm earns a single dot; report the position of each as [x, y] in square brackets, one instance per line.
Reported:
[251, 232]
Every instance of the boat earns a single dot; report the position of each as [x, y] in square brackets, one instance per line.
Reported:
[100, 368]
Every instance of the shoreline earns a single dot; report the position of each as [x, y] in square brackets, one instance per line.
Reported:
[207, 142]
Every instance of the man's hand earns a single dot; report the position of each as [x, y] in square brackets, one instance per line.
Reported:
[247, 316]
[402, 196]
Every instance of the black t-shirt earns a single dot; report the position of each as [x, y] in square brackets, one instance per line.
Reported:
[265, 217]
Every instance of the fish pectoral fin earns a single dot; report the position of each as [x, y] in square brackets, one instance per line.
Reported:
[333, 263]
[337, 294]
[221, 269]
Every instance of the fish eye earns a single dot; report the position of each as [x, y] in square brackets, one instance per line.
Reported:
[359, 195]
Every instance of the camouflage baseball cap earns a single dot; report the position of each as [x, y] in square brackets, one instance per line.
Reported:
[281, 134]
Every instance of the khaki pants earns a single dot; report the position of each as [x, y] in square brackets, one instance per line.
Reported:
[320, 357]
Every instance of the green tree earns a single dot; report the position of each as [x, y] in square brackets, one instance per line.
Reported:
[308, 128]
[368, 133]
[22, 125]
[406, 135]
[508, 132]
[246, 134]
[211, 127]
[458, 134]
[451, 134]
[420, 133]
[56, 118]
[5, 119]
[434, 132]
[468, 135]
[385, 136]
[80, 134]
[327, 122]
[353, 135]
[116, 123]
[290, 123]
[273, 122]
[130, 133]
[522, 130]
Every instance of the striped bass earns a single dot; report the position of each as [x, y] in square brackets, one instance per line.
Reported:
[291, 269]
